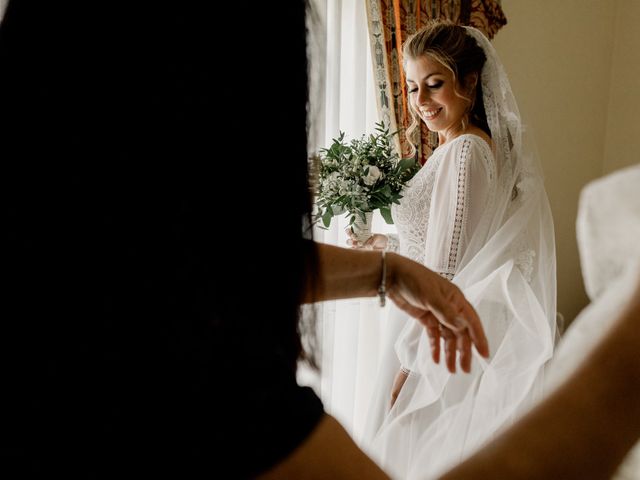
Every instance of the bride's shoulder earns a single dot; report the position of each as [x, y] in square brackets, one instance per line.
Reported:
[469, 149]
[469, 141]
[479, 137]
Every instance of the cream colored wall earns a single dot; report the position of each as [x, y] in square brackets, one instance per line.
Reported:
[558, 55]
[622, 147]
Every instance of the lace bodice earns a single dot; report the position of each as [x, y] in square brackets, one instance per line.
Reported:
[442, 205]
[411, 216]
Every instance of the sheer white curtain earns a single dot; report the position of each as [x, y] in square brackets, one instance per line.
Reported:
[3, 6]
[349, 330]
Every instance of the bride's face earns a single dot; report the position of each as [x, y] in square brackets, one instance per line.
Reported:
[436, 96]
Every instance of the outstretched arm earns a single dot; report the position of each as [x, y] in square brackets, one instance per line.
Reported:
[423, 294]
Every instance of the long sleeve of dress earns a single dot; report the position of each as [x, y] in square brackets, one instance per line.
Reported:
[462, 192]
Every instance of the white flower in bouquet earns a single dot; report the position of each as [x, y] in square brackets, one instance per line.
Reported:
[373, 175]
[360, 176]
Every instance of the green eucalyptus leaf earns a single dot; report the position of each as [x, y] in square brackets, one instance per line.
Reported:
[406, 163]
[326, 218]
[386, 214]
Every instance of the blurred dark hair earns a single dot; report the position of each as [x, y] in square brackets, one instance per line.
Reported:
[142, 260]
[274, 264]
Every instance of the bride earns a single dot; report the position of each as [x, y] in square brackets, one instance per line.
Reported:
[476, 212]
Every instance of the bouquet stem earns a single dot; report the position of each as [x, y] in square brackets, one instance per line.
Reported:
[362, 228]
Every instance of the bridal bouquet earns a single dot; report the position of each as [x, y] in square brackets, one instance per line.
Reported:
[360, 176]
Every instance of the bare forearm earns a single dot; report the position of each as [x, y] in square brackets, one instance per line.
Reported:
[584, 429]
[345, 273]
[413, 288]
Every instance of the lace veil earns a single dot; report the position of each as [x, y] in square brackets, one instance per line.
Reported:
[508, 271]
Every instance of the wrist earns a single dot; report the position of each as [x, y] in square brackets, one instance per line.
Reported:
[391, 260]
[382, 288]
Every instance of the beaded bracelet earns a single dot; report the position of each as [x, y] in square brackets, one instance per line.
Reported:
[382, 289]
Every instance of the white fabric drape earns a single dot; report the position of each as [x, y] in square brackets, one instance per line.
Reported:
[349, 330]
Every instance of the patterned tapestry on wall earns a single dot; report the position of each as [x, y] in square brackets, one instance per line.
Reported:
[390, 22]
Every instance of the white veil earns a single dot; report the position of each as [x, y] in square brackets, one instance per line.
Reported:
[508, 272]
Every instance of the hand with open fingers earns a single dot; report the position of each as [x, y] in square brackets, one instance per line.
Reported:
[453, 344]
[376, 241]
[441, 307]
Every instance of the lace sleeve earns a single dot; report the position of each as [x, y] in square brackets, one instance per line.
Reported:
[463, 191]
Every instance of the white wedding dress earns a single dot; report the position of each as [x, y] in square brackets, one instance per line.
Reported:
[479, 216]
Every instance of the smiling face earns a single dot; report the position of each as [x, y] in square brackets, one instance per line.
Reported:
[439, 100]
